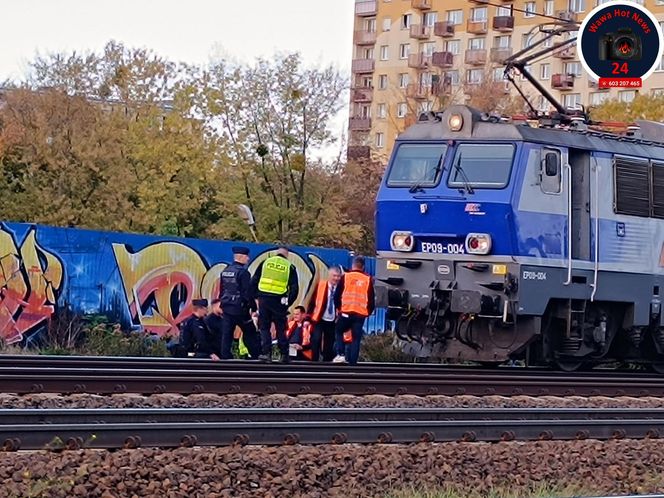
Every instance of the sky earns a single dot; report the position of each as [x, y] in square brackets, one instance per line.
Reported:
[189, 31]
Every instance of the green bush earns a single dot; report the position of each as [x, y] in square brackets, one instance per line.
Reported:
[105, 339]
[382, 348]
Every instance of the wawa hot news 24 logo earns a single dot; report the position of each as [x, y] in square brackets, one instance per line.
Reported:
[620, 44]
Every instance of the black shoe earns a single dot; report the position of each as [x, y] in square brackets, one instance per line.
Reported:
[265, 358]
[285, 358]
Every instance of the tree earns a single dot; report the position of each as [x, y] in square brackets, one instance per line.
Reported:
[648, 107]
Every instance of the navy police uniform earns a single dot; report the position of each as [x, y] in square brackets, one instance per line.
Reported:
[195, 334]
[237, 303]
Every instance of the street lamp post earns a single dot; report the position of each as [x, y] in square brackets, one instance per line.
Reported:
[248, 217]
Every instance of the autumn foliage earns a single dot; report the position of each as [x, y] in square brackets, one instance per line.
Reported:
[125, 140]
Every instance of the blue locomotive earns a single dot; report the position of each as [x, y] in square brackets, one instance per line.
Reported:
[518, 240]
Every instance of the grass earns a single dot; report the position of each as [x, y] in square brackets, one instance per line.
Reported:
[538, 491]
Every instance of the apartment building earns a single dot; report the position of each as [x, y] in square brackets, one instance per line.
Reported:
[411, 55]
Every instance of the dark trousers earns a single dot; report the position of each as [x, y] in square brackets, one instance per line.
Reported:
[324, 332]
[355, 323]
[249, 335]
[270, 310]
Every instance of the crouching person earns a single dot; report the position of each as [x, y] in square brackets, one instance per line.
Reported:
[299, 333]
[195, 335]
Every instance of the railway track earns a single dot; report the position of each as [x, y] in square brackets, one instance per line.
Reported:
[112, 428]
[42, 374]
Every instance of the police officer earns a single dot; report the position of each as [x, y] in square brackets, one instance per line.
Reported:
[237, 303]
[275, 287]
[195, 334]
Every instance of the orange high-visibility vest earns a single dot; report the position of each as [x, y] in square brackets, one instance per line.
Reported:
[348, 337]
[355, 297]
[306, 336]
[319, 309]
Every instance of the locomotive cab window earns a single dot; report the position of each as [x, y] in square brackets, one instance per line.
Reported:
[550, 171]
[417, 165]
[481, 166]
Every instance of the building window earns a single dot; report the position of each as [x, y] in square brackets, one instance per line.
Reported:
[367, 53]
[476, 43]
[370, 25]
[474, 76]
[596, 98]
[406, 20]
[381, 111]
[384, 52]
[453, 76]
[572, 68]
[529, 9]
[382, 81]
[380, 140]
[626, 95]
[404, 50]
[657, 92]
[402, 109]
[367, 82]
[527, 40]
[425, 107]
[404, 79]
[549, 6]
[572, 101]
[430, 18]
[504, 41]
[503, 11]
[387, 24]
[576, 5]
[428, 48]
[545, 71]
[453, 46]
[455, 17]
[498, 74]
[542, 104]
[478, 14]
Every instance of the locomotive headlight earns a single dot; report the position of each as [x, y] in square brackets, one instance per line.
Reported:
[402, 241]
[455, 122]
[478, 243]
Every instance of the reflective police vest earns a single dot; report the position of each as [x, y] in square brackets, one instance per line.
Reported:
[355, 297]
[230, 294]
[274, 277]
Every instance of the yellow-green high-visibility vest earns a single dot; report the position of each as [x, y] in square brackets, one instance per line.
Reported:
[274, 277]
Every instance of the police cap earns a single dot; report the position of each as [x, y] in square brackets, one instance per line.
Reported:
[200, 302]
[241, 250]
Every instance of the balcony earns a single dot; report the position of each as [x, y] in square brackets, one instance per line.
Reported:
[566, 52]
[561, 81]
[476, 27]
[420, 4]
[363, 37]
[419, 31]
[475, 57]
[362, 94]
[567, 15]
[419, 60]
[362, 65]
[359, 124]
[444, 29]
[365, 8]
[444, 60]
[498, 55]
[358, 152]
[504, 24]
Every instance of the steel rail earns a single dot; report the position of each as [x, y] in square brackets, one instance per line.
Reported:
[35, 416]
[300, 379]
[316, 429]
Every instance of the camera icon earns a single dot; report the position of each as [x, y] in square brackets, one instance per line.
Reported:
[623, 45]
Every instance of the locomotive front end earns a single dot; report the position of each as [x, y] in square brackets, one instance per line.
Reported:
[446, 236]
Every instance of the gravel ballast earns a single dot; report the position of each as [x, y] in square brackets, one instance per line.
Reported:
[348, 470]
[316, 401]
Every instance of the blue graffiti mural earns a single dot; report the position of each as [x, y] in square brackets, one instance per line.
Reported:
[142, 282]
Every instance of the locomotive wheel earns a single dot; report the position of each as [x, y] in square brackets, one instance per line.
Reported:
[569, 365]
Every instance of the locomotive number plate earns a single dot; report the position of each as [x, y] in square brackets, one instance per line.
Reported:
[443, 248]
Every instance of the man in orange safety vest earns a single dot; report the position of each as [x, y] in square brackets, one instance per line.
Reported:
[299, 335]
[324, 316]
[355, 300]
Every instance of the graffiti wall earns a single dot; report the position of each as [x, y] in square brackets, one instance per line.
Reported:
[143, 282]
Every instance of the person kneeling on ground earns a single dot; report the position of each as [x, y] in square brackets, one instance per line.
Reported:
[195, 334]
[299, 335]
